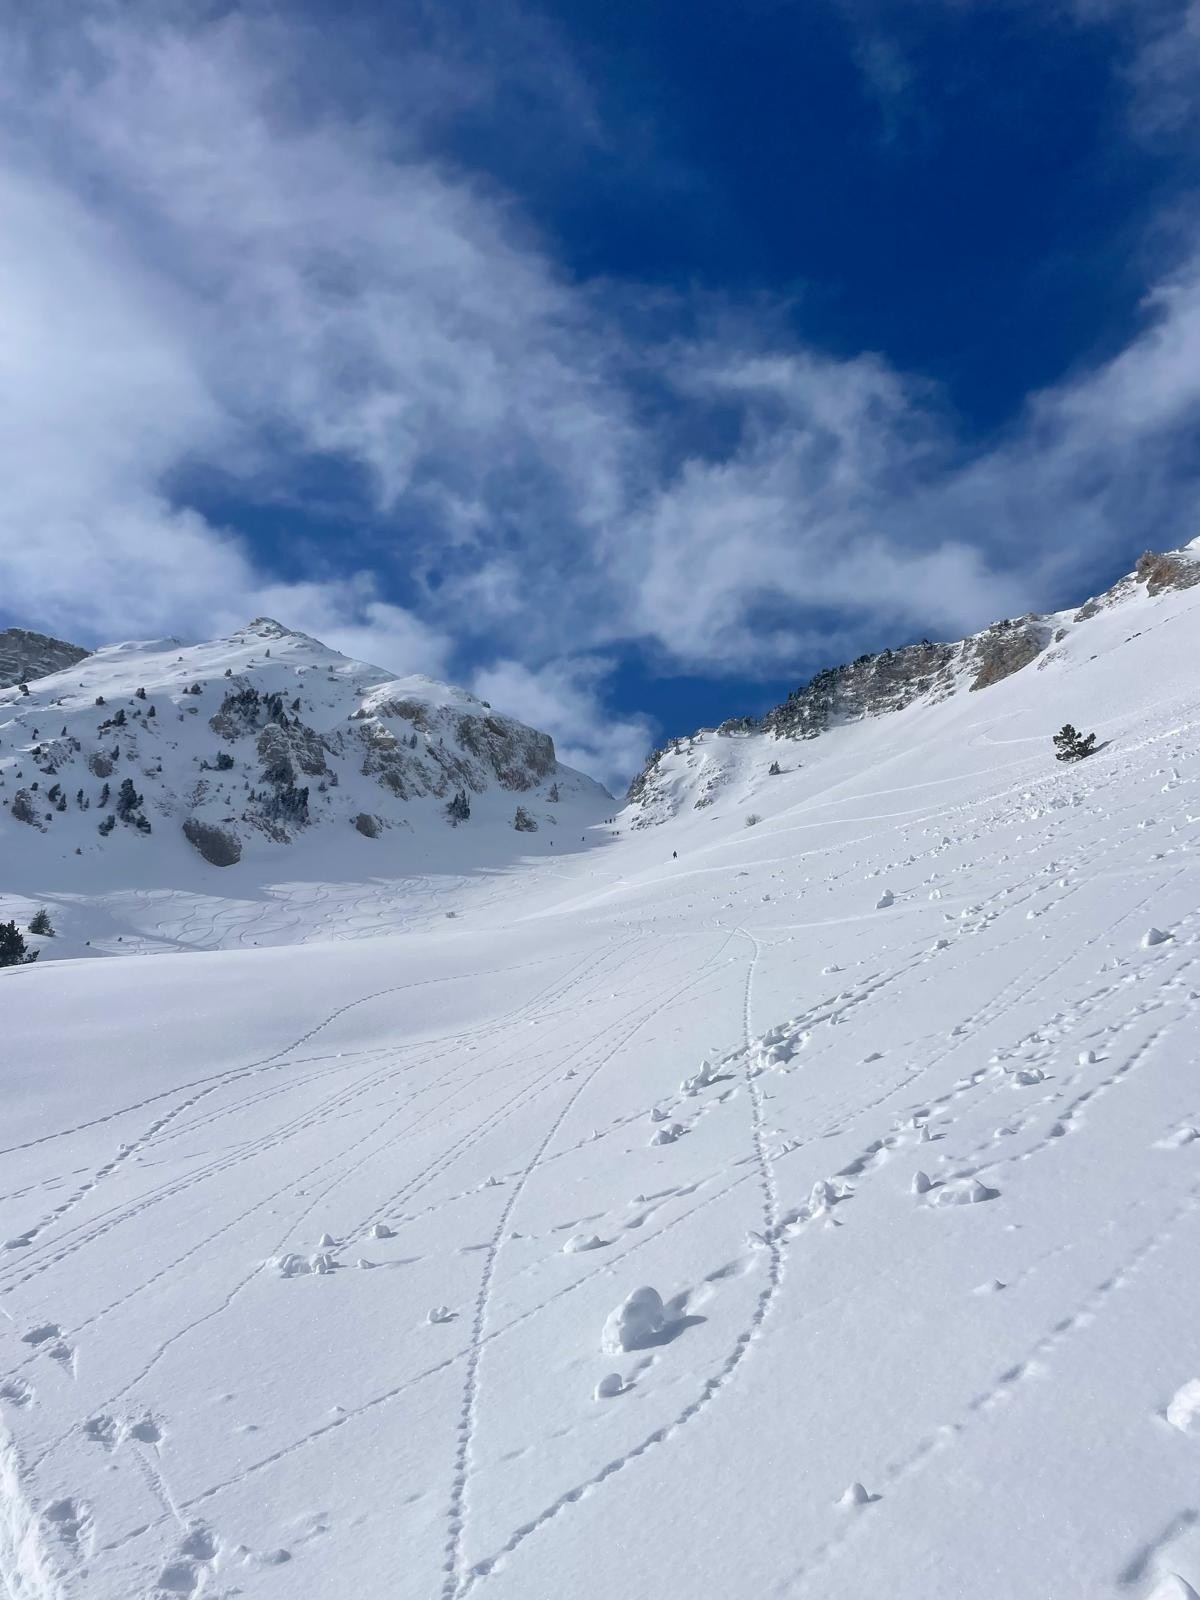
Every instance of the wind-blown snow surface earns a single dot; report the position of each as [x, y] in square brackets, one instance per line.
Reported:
[324, 1261]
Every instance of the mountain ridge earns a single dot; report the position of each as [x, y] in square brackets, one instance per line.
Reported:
[885, 681]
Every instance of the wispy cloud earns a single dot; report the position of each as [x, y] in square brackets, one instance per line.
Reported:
[216, 257]
[566, 698]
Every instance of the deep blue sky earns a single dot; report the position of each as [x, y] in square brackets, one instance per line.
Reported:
[977, 221]
[627, 359]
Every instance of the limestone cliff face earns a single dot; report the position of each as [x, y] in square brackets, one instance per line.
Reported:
[25, 656]
[1005, 648]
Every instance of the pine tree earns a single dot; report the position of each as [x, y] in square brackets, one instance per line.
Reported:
[459, 809]
[40, 923]
[13, 952]
[128, 800]
[1071, 745]
[774, 770]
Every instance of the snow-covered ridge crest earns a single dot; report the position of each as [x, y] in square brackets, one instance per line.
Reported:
[916, 674]
[257, 739]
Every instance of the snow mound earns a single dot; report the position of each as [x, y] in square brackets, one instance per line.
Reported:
[635, 1322]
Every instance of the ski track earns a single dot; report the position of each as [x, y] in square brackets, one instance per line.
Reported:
[1139, 1006]
[855, 1167]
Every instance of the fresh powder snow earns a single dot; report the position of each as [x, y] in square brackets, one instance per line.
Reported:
[814, 1214]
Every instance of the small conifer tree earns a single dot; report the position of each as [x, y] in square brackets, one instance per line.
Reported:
[13, 952]
[1071, 745]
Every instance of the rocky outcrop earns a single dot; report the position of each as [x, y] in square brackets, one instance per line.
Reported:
[26, 656]
[292, 746]
[218, 846]
[1005, 648]
[1159, 570]
[1172, 569]
[367, 825]
[448, 749]
[866, 687]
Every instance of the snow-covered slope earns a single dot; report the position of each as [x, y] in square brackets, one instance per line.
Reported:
[161, 796]
[812, 1215]
[691, 771]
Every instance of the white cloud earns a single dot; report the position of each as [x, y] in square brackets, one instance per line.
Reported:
[214, 258]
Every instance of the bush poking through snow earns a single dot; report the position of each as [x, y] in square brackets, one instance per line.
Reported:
[40, 924]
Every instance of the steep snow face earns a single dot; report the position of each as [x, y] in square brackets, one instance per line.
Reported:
[148, 767]
[812, 1215]
[692, 771]
[25, 656]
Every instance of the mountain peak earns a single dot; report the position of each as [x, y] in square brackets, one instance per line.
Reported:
[269, 628]
[232, 747]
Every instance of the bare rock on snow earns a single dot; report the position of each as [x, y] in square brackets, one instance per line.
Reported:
[219, 846]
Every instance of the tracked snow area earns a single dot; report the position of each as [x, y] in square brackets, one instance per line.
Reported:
[814, 1215]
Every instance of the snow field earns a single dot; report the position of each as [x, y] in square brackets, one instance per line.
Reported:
[362, 1268]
